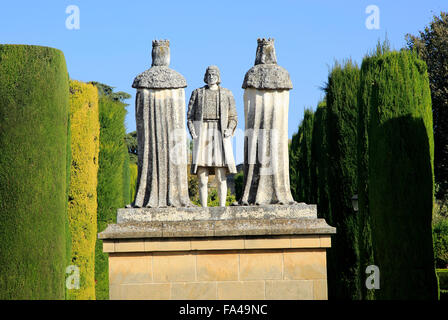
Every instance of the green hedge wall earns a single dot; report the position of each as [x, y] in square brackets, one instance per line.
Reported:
[111, 185]
[300, 161]
[85, 131]
[320, 161]
[133, 173]
[367, 95]
[342, 113]
[33, 172]
[400, 174]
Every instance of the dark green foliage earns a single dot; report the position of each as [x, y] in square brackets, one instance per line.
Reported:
[33, 172]
[132, 144]
[367, 95]
[111, 184]
[319, 160]
[443, 278]
[126, 178]
[300, 161]
[294, 153]
[108, 91]
[239, 180]
[442, 275]
[344, 278]
[432, 46]
[440, 238]
[400, 173]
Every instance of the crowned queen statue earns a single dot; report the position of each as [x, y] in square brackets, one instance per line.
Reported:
[161, 134]
[266, 104]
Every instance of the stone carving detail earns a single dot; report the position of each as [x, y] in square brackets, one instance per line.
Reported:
[266, 74]
[161, 133]
[212, 120]
[266, 104]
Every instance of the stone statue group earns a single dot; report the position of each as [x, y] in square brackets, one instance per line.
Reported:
[212, 120]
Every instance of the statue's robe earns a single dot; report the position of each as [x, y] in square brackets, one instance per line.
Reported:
[266, 160]
[161, 133]
[227, 120]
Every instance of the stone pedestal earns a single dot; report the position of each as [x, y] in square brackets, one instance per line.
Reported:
[259, 252]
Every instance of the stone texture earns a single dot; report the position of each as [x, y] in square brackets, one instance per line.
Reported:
[267, 77]
[174, 267]
[216, 273]
[266, 74]
[159, 77]
[108, 246]
[325, 241]
[167, 245]
[289, 290]
[306, 241]
[218, 244]
[320, 291]
[222, 228]
[130, 268]
[145, 291]
[213, 266]
[303, 264]
[261, 265]
[129, 245]
[161, 134]
[298, 210]
[212, 120]
[241, 290]
[194, 291]
[267, 243]
[266, 106]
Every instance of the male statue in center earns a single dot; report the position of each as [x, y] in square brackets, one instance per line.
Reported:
[212, 120]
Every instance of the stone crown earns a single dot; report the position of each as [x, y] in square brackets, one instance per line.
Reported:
[264, 41]
[161, 43]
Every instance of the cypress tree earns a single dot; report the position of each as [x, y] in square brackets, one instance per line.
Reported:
[294, 152]
[305, 176]
[82, 209]
[341, 132]
[319, 160]
[33, 172]
[400, 173]
[111, 188]
[300, 160]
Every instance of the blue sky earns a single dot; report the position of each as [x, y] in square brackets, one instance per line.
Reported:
[113, 44]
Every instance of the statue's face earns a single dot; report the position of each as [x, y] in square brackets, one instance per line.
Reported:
[212, 77]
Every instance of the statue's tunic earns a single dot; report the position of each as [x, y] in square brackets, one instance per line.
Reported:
[209, 113]
[266, 160]
[162, 156]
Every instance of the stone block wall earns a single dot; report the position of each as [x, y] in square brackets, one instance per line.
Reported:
[265, 267]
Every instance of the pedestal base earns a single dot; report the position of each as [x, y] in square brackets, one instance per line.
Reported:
[251, 258]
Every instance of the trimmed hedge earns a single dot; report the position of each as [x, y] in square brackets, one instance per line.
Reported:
[320, 160]
[366, 96]
[344, 277]
[300, 161]
[442, 275]
[126, 177]
[111, 185]
[85, 131]
[133, 173]
[440, 239]
[400, 173]
[33, 172]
